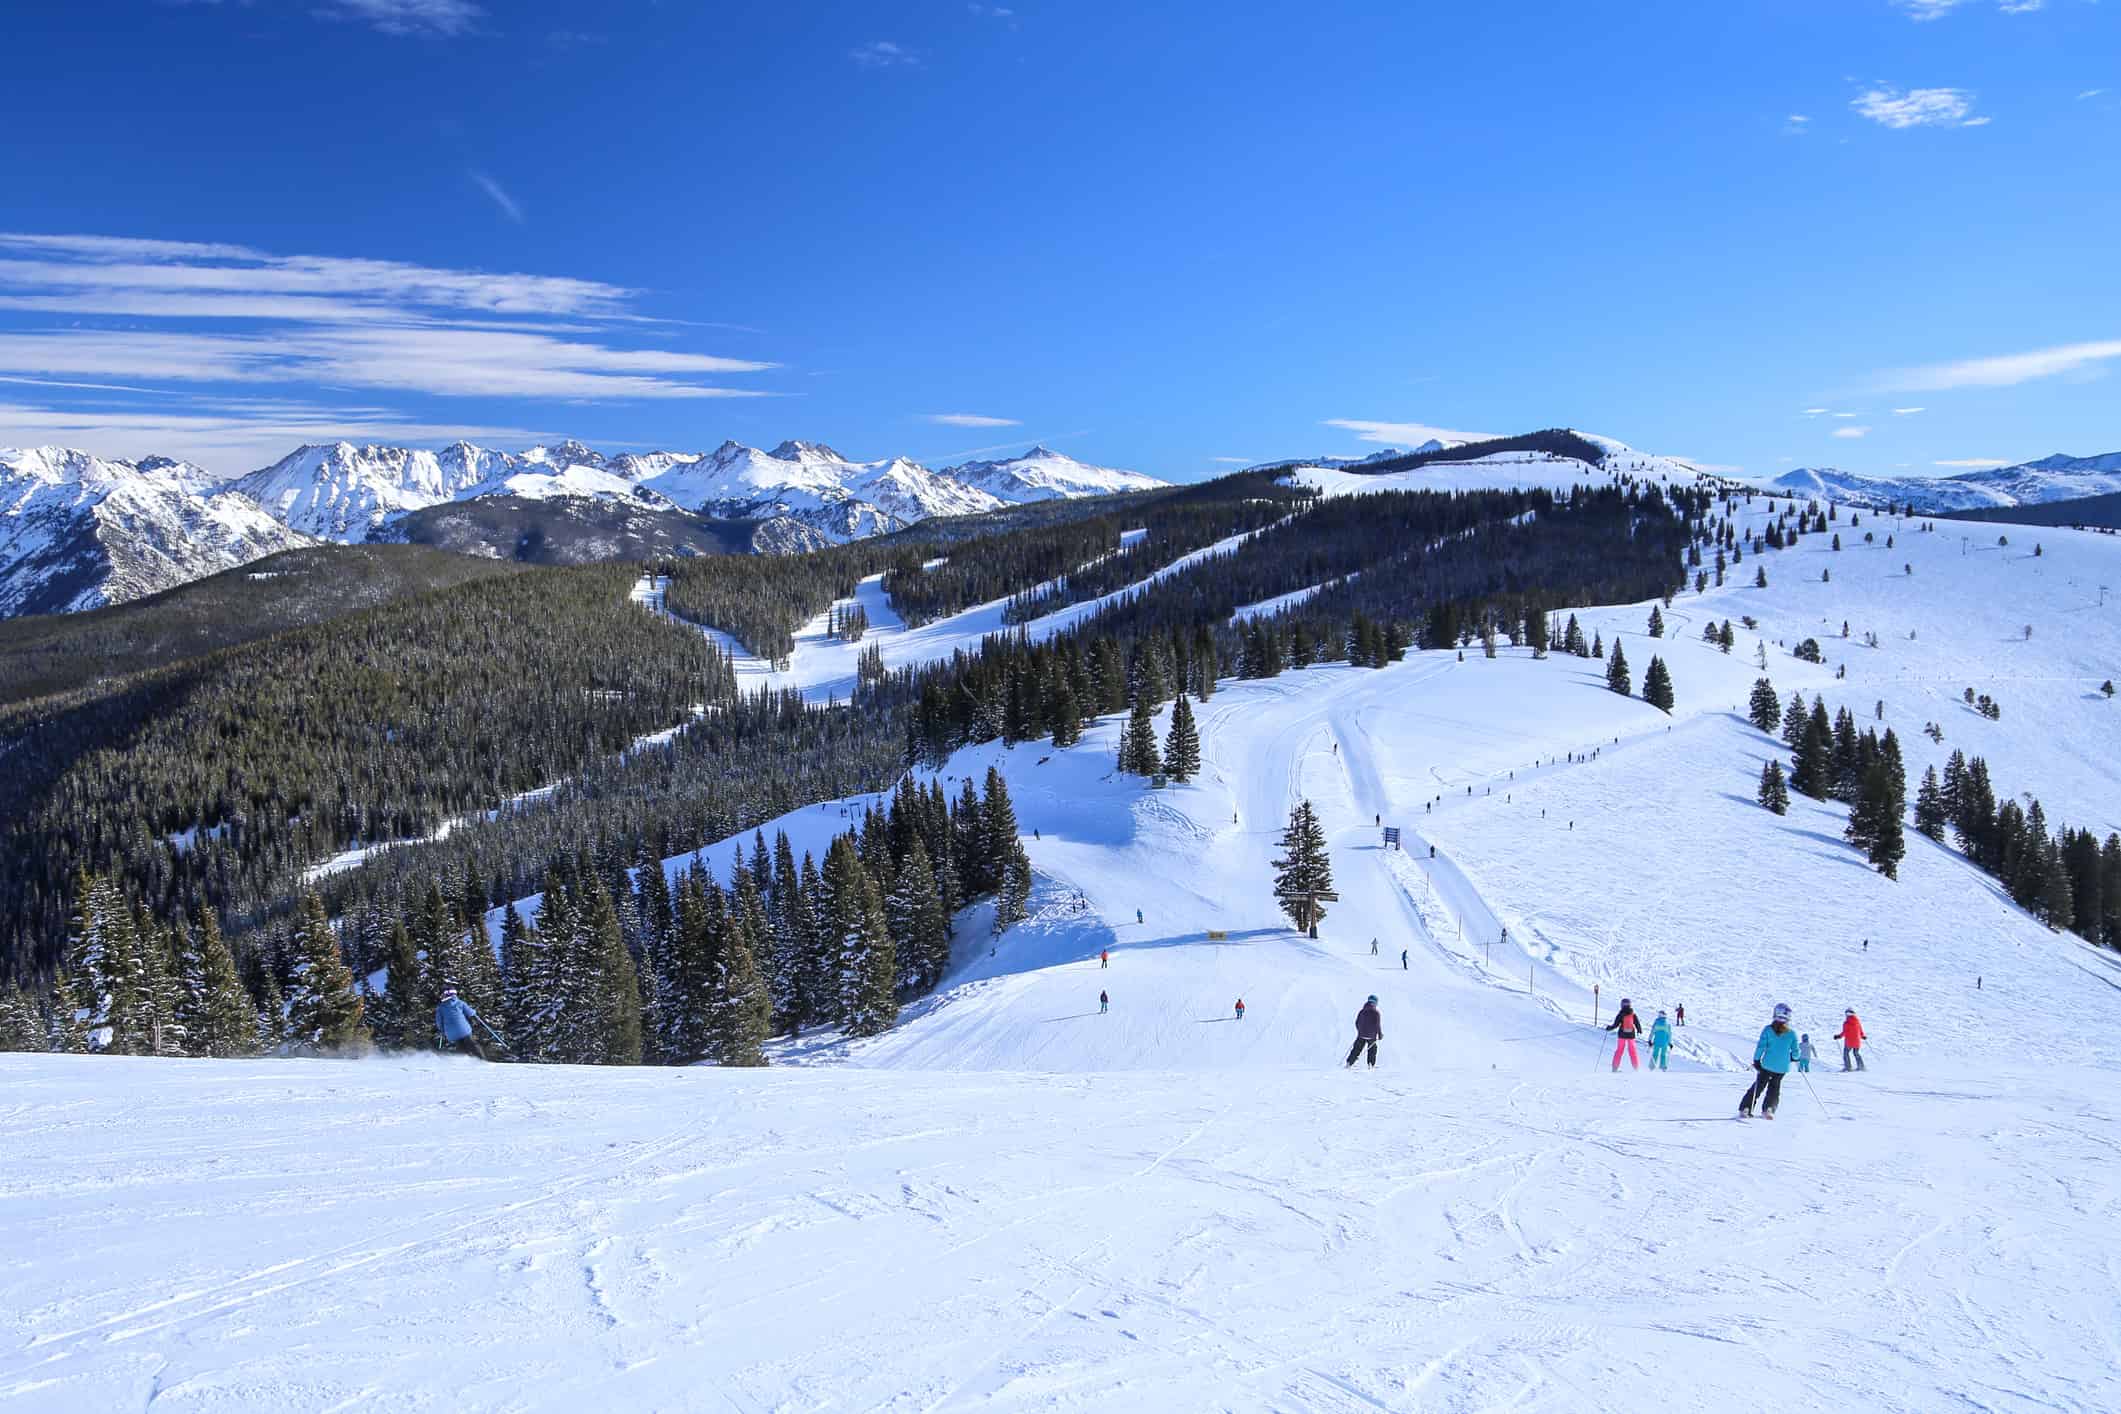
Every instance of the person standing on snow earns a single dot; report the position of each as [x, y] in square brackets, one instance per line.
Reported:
[454, 1018]
[1679, 1014]
[1852, 1039]
[1104, 1003]
[1104, 957]
[1402, 959]
[1806, 1053]
[1240, 1008]
[1629, 1026]
[1773, 1054]
[1369, 1030]
[1373, 947]
[1660, 1043]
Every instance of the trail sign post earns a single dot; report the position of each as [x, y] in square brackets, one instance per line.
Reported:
[1392, 836]
[1312, 900]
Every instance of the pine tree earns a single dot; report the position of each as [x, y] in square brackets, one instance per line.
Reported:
[1063, 711]
[1657, 685]
[1812, 772]
[1793, 722]
[323, 1008]
[112, 1005]
[743, 1013]
[21, 1027]
[1138, 753]
[1656, 622]
[1930, 814]
[919, 930]
[1774, 791]
[1013, 899]
[1182, 745]
[867, 963]
[272, 1015]
[1304, 869]
[615, 988]
[1765, 709]
[402, 1018]
[998, 827]
[978, 869]
[1616, 672]
[2057, 897]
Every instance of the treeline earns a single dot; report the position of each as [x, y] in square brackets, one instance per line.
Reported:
[614, 967]
[1554, 441]
[2067, 879]
[214, 782]
[762, 600]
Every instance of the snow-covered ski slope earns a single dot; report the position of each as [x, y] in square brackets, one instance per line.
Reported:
[1014, 1202]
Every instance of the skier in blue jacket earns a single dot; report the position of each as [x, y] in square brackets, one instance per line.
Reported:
[1773, 1055]
[1660, 1043]
[453, 1018]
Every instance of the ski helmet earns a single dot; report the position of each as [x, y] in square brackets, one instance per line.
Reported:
[1373, 999]
[449, 994]
[1625, 1002]
[1782, 1011]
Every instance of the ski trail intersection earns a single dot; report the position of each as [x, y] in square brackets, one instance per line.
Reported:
[1013, 1202]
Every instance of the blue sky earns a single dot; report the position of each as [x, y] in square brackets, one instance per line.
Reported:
[1878, 234]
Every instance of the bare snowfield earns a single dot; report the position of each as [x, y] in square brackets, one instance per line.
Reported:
[1015, 1202]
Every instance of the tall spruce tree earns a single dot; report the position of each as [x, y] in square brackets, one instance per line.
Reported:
[1930, 817]
[225, 1024]
[868, 966]
[1774, 791]
[21, 1026]
[1012, 900]
[1182, 745]
[1616, 672]
[323, 1007]
[1657, 685]
[402, 1018]
[920, 932]
[1138, 753]
[615, 989]
[1304, 869]
[743, 1013]
[1765, 708]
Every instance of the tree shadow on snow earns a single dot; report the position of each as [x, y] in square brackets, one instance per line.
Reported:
[1078, 1016]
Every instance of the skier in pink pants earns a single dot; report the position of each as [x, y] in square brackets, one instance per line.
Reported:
[1627, 1026]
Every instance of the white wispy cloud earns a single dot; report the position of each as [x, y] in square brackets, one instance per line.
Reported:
[1713, 468]
[1234, 461]
[1815, 412]
[236, 437]
[444, 18]
[1973, 462]
[992, 12]
[2003, 370]
[508, 204]
[2090, 93]
[882, 54]
[1847, 414]
[969, 419]
[1908, 412]
[1402, 433]
[1852, 432]
[1917, 108]
[1797, 124]
[1923, 10]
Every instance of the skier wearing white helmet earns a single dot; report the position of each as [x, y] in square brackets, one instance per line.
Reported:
[1369, 1030]
[1773, 1055]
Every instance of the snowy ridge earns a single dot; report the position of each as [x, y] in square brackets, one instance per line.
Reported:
[2053, 478]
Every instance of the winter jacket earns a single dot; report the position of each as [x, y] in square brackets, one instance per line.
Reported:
[1369, 1023]
[1776, 1053]
[453, 1019]
[1852, 1033]
[1660, 1033]
[1627, 1023]
[1808, 1051]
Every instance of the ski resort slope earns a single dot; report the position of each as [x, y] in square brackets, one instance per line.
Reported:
[1015, 1201]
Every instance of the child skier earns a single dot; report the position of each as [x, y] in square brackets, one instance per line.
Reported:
[1806, 1053]
[1104, 1003]
[1679, 1014]
[1240, 1008]
[1660, 1043]
[1772, 1056]
[1369, 1030]
[453, 1018]
[1628, 1026]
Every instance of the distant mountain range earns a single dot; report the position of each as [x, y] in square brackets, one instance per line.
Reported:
[2054, 478]
[79, 531]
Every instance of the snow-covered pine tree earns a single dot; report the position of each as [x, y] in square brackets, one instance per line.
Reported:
[113, 1001]
[1304, 868]
[1597, 645]
[1880, 834]
[1012, 901]
[868, 967]
[998, 827]
[616, 989]
[1138, 752]
[914, 913]
[1656, 622]
[1774, 791]
[1572, 639]
[272, 1014]
[1616, 672]
[323, 1008]
[21, 1027]
[1657, 685]
[783, 962]
[158, 964]
[743, 1013]
[1765, 708]
[977, 870]
[1182, 745]
[1794, 718]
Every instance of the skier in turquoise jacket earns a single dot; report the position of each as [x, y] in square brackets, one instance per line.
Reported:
[1773, 1055]
[1660, 1043]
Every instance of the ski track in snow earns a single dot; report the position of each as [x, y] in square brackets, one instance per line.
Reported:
[1014, 1202]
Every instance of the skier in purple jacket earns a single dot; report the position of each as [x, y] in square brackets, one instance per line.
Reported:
[1369, 1030]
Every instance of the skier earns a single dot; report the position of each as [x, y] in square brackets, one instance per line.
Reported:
[1240, 1008]
[1679, 1014]
[1806, 1053]
[1137, 915]
[1660, 1043]
[1852, 1039]
[453, 1018]
[1104, 957]
[1373, 947]
[1104, 1003]
[1369, 1030]
[1629, 1026]
[1772, 1055]
[1402, 959]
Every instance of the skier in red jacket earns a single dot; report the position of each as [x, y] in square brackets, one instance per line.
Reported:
[1852, 1039]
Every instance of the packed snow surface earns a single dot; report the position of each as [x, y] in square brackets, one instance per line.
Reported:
[1017, 1201]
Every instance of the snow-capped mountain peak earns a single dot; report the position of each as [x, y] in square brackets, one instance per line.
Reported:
[1043, 474]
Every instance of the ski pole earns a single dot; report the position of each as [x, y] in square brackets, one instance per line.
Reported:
[501, 1040]
[1815, 1094]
